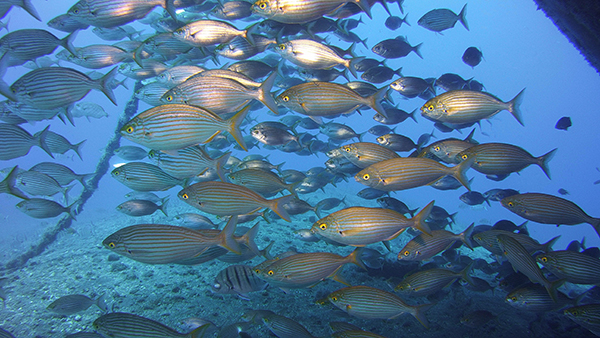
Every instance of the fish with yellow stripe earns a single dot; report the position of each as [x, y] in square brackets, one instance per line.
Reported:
[307, 269]
[426, 282]
[302, 11]
[360, 226]
[226, 199]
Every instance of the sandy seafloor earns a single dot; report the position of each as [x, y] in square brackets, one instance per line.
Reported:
[558, 83]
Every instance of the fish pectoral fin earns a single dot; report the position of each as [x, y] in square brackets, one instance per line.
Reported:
[338, 278]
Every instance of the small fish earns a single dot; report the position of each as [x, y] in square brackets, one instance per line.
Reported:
[380, 74]
[365, 64]
[395, 22]
[298, 11]
[396, 48]
[131, 153]
[66, 23]
[108, 14]
[41, 208]
[586, 316]
[371, 303]
[563, 123]
[472, 56]
[142, 207]
[88, 109]
[126, 325]
[473, 198]
[194, 221]
[39, 184]
[206, 32]
[498, 195]
[410, 86]
[427, 282]
[7, 185]
[58, 144]
[423, 247]
[438, 20]
[396, 205]
[232, 10]
[575, 267]
[71, 304]
[142, 176]
[396, 142]
[285, 327]
[16, 141]
[237, 279]
[450, 81]
[548, 209]
[263, 182]
[488, 240]
[534, 297]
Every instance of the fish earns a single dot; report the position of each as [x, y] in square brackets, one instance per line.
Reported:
[173, 76]
[29, 44]
[88, 109]
[396, 142]
[364, 154]
[142, 176]
[66, 23]
[152, 93]
[142, 207]
[473, 198]
[548, 209]
[177, 126]
[263, 182]
[523, 262]
[113, 13]
[131, 153]
[438, 20]
[189, 162]
[58, 144]
[396, 48]
[370, 303]
[116, 33]
[498, 194]
[194, 221]
[308, 269]
[202, 33]
[424, 247]
[99, 56]
[563, 123]
[488, 240]
[465, 106]
[407, 172]
[325, 99]
[237, 279]
[395, 22]
[534, 297]
[298, 11]
[311, 54]
[71, 304]
[396, 205]
[585, 315]
[447, 149]
[472, 56]
[575, 267]
[127, 325]
[284, 327]
[410, 86]
[226, 199]
[16, 141]
[380, 74]
[328, 204]
[39, 184]
[232, 10]
[42, 208]
[361, 226]
[427, 282]
[450, 81]
[8, 184]
[220, 95]
[273, 134]
[503, 158]
[56, 87]
[167, 244]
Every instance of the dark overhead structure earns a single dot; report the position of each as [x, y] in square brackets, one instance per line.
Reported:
[579, 21]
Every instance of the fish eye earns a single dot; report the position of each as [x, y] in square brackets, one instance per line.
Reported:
[262, 5]
[544, 259]
[366, 177]
[334, 298]
[510, 204]
[465, 156]
[111, 245]
[406, 253]
[347, 149]
[323, 226]
[270, 273]
[513, 298]
[116, 173]
[430, 108]
[436, 148]
[169, 98]
[281, 46]
[285, 98]
[129, 130]
[76, 11]
[256, 270]
[185, 196]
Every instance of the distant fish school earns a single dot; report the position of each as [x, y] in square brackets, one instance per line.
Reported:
[283, 58]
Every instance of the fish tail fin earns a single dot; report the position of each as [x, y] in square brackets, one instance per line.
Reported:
[462, 17]
[374, 101]
[419, 219]
[412, 115]
[163, 206]
[234, 126]
[66, 193]
[278, 167]
[264, 93]
[318, 209]
[247, 34]
[514, 104]
[28, 6]
[364, 5]
[137, 55]
[277, 206]
[355, 258]
[544, 159]
[8, 184]
[417, 50]
[465, 236]
[85, 178]
[67, 42]
[77, 148]
[459, 171]
[266, 252]
[101, 303]
[73, 209]
[547, 247]
[292, 188]
[595, 222]
[42, 140]
[105, 85]
[248, 239]
[404, 20]
[352, 65]
[419, 314]
[551, 288]
[465, 273]
[220, 163]
[199, 331]
[226, 239]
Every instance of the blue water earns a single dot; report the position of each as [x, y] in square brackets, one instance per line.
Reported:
[521, 48]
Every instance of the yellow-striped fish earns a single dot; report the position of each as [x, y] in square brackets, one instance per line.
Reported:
[142, 176]
[575, 267]
[364, 154]
[226, 199]
[371, 303]
[410, 172]
[426, 282]
[178, 126]
[263, 182]
[360, 226]
[468, 106]
[424, 247]
[301, 11]
[127, 325]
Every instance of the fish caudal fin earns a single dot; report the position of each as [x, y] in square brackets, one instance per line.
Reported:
[374, 101]
[419, 313]
[351, 65]
[42, 135]
[234, 127]
[543, 161]
[77, 148]
[264, 93]
[459, 171]
[419, 219]
[277, 206]
[8, 184]
[465, 236]
[163, 206]
[28, 6]
[364, 6]
[417, 50]
[248, 239]
[226, 239]
[464, 274]
[547, 247]
[220, 164]
[355, 258]
[67, 42]
[514, 104]
[200, 331]
[462, 17]
[105, 85]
